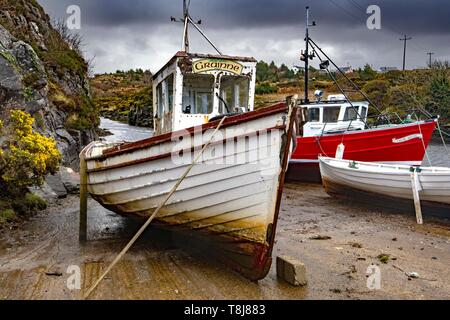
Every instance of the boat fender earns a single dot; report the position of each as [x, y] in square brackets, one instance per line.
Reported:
[340, 151]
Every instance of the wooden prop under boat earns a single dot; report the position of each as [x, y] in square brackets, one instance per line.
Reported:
[229, 203]
[373, 182]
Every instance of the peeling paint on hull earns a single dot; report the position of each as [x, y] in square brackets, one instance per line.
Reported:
[228, 209]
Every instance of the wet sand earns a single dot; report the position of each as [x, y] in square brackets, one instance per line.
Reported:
[35, 256]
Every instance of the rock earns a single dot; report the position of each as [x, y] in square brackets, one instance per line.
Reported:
[45, 192]
[25, 84]
[291, 270]
[56, 184]
[70, 180]
[320, 237]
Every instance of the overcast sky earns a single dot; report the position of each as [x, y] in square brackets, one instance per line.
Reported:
[124, 34]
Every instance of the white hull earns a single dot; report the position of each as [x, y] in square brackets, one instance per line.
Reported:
[388, 180]
[234, 192]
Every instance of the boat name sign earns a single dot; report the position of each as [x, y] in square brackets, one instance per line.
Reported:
[407, 138]
[206, 65]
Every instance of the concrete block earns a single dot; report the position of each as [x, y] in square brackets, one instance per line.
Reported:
[291, 270]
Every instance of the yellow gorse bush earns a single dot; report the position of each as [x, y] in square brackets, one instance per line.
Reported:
[27, 156]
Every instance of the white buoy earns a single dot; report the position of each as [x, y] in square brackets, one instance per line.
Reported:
[340, 151]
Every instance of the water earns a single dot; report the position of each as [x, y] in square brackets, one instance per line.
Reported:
[124, 132]
[438, 155]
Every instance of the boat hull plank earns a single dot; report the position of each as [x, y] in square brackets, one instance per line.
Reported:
[229, 201]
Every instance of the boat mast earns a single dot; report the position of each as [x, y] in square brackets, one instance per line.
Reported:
[306, 56]
[186, 26]
[186, 20]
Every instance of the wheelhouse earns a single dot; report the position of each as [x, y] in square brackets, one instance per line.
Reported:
[333, 116]
[192, 88]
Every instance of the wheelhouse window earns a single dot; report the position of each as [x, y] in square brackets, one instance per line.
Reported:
[363, 113]
[164, 96]
[198, 94]
[313, 114]
[331, 114]
[234, 93]
[169, 83]
[351, 113]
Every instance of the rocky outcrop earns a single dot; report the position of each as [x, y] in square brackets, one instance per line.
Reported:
[140, 116]
[41, 74]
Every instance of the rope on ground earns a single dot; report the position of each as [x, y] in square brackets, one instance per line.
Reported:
[150, 219]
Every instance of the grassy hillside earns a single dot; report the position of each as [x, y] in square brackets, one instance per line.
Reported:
[116, 93]
[394, 91]
[59, 51]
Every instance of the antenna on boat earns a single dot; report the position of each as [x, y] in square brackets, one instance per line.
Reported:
[305, 56]
[188, 20]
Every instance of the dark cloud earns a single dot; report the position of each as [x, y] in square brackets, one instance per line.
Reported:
[134, 33]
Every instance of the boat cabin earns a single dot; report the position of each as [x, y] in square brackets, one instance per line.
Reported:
[334, 115]
[191, 89]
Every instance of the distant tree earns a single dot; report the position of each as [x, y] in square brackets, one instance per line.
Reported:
[262, 71]
[367, 73]
[265, 88]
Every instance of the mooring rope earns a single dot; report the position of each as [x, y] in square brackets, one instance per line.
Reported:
[442, 137]
[423, 142]
[150, 219]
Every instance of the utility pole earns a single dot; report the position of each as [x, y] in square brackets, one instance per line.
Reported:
[404, 49]
[430, 54]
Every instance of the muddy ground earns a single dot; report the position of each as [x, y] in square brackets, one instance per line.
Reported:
[35, 256]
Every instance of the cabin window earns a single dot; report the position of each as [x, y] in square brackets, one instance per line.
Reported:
[169, 82]
[164, 95]
[198, 94]
[160, 99]
[363, 113]
[331, 114]
[313, 114]
[234, 93]
[351, 113]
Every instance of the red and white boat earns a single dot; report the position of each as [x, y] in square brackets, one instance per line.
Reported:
[328, 124]
[338, 122]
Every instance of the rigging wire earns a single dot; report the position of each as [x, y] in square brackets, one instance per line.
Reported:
[391, 27]
[315, 46]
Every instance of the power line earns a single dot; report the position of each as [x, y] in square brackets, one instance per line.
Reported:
[393, 28]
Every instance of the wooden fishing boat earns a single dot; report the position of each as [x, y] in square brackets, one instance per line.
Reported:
[228, 204]
[376, 183]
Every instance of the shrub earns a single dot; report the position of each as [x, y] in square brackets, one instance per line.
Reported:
[27, 156]
[265, 88]
[28, 204]
[6, 215]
